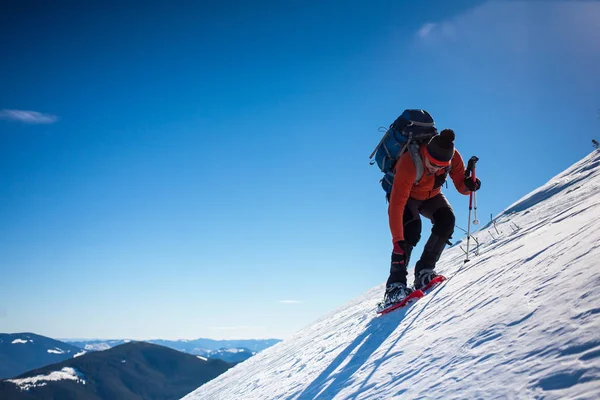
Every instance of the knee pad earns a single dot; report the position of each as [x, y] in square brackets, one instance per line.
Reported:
[443, 224]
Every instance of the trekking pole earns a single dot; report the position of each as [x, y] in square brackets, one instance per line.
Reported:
[475, 220]
[470, 172]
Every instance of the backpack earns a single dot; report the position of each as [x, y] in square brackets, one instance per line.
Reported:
[411, 129]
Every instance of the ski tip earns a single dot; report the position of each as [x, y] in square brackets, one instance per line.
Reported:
[434, 282]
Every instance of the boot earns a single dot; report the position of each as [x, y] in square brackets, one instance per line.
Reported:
[395, 292]
[423, 277]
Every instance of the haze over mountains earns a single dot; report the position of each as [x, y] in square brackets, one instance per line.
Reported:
[135, 370]
[232, 351]
[41, 367]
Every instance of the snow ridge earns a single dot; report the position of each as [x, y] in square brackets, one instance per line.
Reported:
[42, 380]
[520, 320]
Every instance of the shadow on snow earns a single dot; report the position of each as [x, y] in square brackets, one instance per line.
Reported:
[331, 381]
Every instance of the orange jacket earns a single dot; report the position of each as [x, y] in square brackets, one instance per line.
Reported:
[404, 187]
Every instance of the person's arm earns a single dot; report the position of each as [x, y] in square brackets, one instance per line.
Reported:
[403, 183]
[457, 173]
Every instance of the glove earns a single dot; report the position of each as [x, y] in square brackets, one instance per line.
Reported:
[472, 186]
[399, 254]
[471, 163]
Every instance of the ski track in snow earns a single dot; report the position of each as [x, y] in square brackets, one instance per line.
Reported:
[520, 321]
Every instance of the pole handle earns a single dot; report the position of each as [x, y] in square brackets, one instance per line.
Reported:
[471, 165]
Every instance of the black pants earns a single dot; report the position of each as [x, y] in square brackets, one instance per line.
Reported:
[439, 212]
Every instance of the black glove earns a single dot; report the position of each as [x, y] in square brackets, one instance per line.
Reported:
[471, 164]
[399, 254]
[472, 186]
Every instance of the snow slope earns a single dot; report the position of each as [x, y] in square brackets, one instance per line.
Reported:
[520, 321]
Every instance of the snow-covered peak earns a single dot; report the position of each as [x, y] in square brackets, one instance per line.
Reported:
[42, 380]
[520, 320]
[233, 350]
[97, 347]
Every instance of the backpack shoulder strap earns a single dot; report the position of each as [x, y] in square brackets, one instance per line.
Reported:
[413, 149]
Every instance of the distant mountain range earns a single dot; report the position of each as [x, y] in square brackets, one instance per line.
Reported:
[41, 367]
[21, 352]
[228, 350]
[234, 356]
[135, 370]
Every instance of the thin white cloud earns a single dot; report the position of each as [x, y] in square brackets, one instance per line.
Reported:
[28, 117]
[425, 30]
[518, 38]
[520, 27]
[290, 301]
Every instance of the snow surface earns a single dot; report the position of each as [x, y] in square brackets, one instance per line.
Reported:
[202, 358]
[233, 351]
[97, 347]
[42, 380]
[57, 351]
[18, 341]
[79, 354]
[521, 320]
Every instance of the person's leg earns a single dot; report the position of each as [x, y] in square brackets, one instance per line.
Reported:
[412, 235]
[438, 210]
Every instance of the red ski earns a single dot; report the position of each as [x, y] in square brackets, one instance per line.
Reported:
[414, 296]
[411, 298]
[434, 282]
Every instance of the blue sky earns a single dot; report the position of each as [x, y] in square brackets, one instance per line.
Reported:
[184, 171]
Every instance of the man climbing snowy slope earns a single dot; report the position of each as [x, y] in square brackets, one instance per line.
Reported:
[409, 200]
